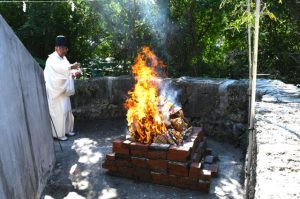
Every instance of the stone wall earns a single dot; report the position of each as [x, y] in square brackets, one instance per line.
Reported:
[26, 145]
[219, 105]
[101, 98]
[275, 172]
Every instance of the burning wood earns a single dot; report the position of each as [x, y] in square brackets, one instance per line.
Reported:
[151, 117]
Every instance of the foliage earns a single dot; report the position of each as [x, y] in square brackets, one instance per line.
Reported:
[42, 22]
[193, 37]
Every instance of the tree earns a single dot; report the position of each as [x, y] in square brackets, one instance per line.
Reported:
[193, 37]
[42, 22]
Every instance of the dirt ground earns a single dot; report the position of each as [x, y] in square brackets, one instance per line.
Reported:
[78, 173]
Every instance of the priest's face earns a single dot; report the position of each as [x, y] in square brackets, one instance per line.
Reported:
[61, 50]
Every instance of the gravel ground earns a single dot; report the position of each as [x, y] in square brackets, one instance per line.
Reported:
[78, 173]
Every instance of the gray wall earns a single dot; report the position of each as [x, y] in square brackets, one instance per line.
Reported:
[26, 145]
[219, 105]
[275, 171]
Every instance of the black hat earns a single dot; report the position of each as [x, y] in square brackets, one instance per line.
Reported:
[60, 40]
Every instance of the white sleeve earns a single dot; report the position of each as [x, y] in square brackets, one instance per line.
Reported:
[61, 67]
[58, 78]
[70, 88]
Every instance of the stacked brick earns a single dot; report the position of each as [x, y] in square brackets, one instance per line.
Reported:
[189, 166]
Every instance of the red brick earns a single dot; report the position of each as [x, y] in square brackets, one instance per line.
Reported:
[121, 151]
[159, 146]
[178, 168]
[119, 148]
[178, 182]
[123, 163]
[105, 166]
[184, 182]
[120, 156]
[188, 181]
[138, 146]
[117, 143]
[180, 154]
[126, 144]
[181, 184]
[189, 144]
[110, 156]
[139, 162]
[214, 168]
[138, 153]
[173, 180]
[160, 178]
[142, 174]
[157, 154]
[108, 163]
[112, 168]
[126, 172]
[195, 170]
[203, 186]
[158, 165]
[205, 175]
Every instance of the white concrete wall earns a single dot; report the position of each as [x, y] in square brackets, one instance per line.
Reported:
[26, 145]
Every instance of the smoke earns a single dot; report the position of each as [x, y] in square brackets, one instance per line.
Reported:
[168, 91]
[151, 13]
[155, 15]
[169, 96]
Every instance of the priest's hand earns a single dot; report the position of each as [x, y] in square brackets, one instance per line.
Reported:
[76, 73]
[75, 65]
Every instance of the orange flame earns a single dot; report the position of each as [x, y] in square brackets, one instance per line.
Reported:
[144, 118]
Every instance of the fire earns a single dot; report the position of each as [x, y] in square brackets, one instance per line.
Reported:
[143, 116]
[148, 112]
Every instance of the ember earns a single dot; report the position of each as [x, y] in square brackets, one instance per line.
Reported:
[152, 117]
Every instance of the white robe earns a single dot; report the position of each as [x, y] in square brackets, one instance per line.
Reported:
[59, 86]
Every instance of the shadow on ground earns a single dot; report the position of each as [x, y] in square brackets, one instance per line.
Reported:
[78, 173]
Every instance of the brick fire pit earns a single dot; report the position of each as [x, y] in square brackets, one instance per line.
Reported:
[189, 166]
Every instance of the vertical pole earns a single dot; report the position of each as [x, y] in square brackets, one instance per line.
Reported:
[249, 55]
[249, 148]
[254, 63]
[253, 95]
